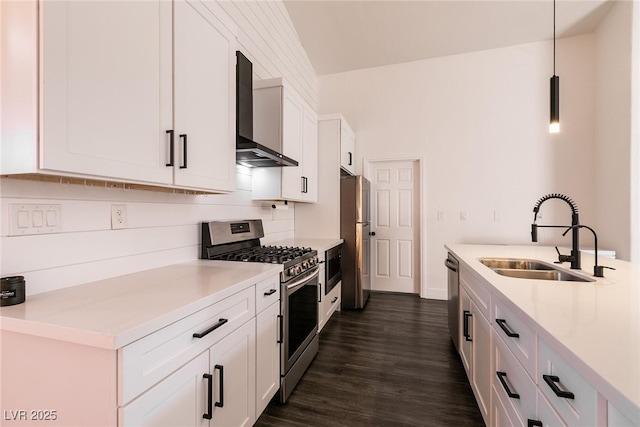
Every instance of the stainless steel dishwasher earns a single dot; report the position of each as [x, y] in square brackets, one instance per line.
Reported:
[454, 305]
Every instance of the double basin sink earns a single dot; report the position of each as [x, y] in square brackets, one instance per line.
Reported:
[530, 269]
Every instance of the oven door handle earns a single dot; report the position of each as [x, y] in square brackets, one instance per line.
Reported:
[305, 279]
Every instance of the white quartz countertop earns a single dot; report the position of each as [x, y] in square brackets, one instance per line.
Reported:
[320, 245]
[596, 324]
[114, 312]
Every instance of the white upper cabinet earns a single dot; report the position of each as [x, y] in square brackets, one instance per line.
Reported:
[204, 103]
[106, 93]
[282, 119]
[138, 92]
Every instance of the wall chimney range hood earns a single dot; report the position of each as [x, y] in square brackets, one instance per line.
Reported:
[249, 152]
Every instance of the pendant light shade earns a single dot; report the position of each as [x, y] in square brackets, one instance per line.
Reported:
[554, 120]
[554, 93]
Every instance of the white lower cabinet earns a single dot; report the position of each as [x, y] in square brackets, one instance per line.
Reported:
[475, 350]
[232, 366]
[175, 401]
[567, 391]
[268, 356]
[518, 378]
[515, 390]
[330, 304]
[215, 388]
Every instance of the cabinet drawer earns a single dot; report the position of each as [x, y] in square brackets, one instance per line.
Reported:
[546, 414]
[333, 300]
[503, 413]
[579, 406]
[145, 362]
[267, 292]
[510, 377]
[477, 290]
[507, 325]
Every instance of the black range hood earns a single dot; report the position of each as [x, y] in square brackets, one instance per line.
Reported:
[249, 152]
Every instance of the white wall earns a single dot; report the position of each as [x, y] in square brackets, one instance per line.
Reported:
[163, 227]
[479, 121]
[617, 146]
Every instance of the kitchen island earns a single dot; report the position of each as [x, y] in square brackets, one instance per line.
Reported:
[592, 326]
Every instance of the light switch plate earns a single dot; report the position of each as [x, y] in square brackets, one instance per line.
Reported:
[25, 219]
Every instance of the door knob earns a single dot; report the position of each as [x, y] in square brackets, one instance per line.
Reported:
[372, 233]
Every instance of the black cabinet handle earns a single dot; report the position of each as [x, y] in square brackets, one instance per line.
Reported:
[333, 301]
[319, 292]
[503, 325]
[171, 143]
[220, 403]
[465, 325]
[271, 292]
[211, 329]
[350, 158]
[280, 319]
[534, 423]
[209, 414]
[184, 151]
[501, 377]
[551, 381]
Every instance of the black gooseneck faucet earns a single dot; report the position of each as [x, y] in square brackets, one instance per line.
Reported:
[574, 258]
[598, 270]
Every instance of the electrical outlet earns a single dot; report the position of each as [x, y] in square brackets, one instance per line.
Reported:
[118, 217]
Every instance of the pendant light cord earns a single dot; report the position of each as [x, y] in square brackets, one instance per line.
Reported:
[554, 37]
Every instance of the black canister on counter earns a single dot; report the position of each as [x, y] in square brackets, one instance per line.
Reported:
[11, 290]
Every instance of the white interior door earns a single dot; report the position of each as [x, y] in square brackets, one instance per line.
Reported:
[395, 245]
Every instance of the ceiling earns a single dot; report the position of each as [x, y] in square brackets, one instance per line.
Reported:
[343, 35]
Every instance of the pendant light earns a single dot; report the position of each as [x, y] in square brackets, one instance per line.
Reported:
[554, 121]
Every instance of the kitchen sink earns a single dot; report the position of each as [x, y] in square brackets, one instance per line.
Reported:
[522, 268]
[516, 263]
[542, 275]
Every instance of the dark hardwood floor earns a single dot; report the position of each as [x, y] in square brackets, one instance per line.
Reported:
[392, 364]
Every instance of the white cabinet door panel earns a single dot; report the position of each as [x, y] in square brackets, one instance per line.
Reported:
[233, 366]
[268, 356]
[107, 89]
[176, 401]
[204, 67]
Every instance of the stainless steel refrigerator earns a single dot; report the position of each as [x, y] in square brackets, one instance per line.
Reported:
[355, 230]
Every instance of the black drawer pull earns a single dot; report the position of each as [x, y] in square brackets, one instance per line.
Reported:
[280, 319]
[333, 301]
[220, 403]
[501, 377]
[551, 381]
[271, 292]
[171, 142]
[350, 158]
[209, 413]
[465, 325]
[211, 329]
[503, 325]
[534, 423]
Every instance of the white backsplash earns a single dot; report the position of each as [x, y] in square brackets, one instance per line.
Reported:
[162, 229]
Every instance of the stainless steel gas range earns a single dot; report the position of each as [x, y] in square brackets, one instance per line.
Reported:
[240, 241]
